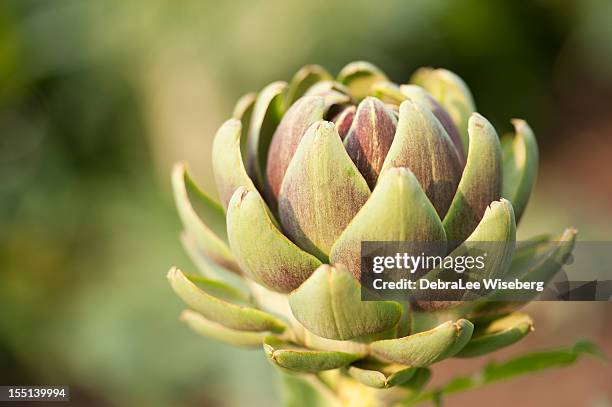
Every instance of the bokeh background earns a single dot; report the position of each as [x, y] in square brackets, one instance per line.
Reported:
[99, 98]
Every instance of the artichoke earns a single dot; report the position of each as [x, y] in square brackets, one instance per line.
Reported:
[309, 169]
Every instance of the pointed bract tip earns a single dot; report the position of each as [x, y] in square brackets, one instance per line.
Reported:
[518, 122]
[239, 195]
[478, 120]
[232, 122]
[172, 273]
[185, 315]
[179, 166]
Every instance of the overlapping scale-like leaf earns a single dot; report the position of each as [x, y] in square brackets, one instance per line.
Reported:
[243, 111]
[298, 359]
[379, 375]
[398, 210]
[539, 262]
[329, 304]
[207, 224]
[526, 254]
[344, 120]
[420, 95]
[262, 251]
[321, 192]
[220, 333]
[418, 380]
[495, 235]
[389, 93]
[359, 77]
[206, 266]
[313, 341]
[287, 137]
[424, 348]
[544, 266]
[228, 167]
[421, 144]
[303, 80]
[452, 93]
[267, 113]
[520, 165]
[228, 314]
[480, 182]
[494, 238]
[369, 138]
[331, 90]
[244, 107]
[496, 334]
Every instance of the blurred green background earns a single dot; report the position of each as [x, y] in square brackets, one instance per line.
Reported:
[99, 98]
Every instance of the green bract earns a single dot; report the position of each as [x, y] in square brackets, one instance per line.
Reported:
[305, 171]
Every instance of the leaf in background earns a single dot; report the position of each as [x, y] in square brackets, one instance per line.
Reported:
[299, 392]
[493, 372]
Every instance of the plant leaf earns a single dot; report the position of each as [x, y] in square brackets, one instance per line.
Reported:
[480, 182]
[398, 210]
[451, 93]
[211, 236]
[303, 80]
[243, 111]
[298, 359]
[359, 77]
[424, 348]
[542, 267]
[263, 252]
[422, 145]
[267, 114]
[369, 137]
[300, 116]
[220, 289]
[228, 167]
[420, 95]
[527, 253]
[321, 192]
[418, 380]
[520, 166]
[381, 376]
[218, 332]
[547, 265]
[496, 232]
[206, 266]
[497, 334]
[223, 312]
[329, 305]
[494, 237]
[330, 89]
[551, 262]
[524, 364]
[299, 391]
[344, 120]
[388, 92]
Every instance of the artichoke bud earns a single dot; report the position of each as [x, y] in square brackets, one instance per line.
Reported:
[306, 171]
